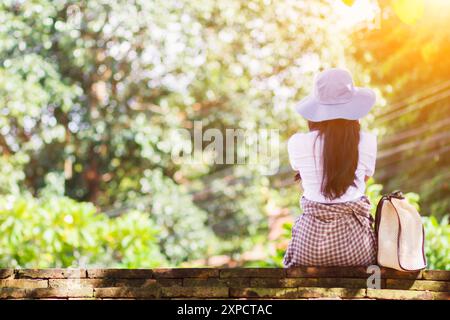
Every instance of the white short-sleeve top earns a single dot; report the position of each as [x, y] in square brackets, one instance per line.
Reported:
[301, 156]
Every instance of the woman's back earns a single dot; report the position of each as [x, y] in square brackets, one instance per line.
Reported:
[333, 161]
[305, 156]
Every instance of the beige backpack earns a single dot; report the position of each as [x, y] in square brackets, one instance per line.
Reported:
[400, 234]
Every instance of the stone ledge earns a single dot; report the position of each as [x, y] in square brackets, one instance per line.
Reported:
[219, 283]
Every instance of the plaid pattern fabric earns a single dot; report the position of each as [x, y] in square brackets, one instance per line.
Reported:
[339, 234]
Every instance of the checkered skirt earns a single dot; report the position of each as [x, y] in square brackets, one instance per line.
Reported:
[338, 234]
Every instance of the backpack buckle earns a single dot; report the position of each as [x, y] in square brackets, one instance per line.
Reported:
[396, 194]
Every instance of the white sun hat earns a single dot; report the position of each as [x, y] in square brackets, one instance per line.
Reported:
[335, 97]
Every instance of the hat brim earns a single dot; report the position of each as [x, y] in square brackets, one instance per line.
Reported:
[359, 106]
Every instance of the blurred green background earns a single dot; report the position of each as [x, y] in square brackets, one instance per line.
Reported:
[92, 94]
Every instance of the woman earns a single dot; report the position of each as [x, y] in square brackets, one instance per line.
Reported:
[333, 161]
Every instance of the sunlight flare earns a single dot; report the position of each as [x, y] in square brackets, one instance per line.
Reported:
[409, 11]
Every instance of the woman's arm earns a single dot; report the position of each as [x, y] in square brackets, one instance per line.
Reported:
[368, 155]
[294, 147]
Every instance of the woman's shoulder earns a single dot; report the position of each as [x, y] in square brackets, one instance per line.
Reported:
[301, 138]
[368, 140]
[366, 135]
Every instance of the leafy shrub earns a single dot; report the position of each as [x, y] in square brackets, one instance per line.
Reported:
[184, 234]
[60, 232]
[437, 242]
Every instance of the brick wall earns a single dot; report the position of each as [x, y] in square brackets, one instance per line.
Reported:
[266, 283]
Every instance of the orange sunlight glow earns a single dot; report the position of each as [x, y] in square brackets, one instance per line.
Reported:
[355, 12]
[412, 11]
[409, 11]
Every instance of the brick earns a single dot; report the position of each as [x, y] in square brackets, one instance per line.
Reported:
[116, 298]
[52, 299]
[348, 272]
[195, 299]
[329, 272]
[210, 283]
[406, 294]
[109, 282]
[308, 282]
[77, 283]
[23, 283]
[345, 293]
[120, 273]
[418, 285]
[216, 282]
[147, 282]
[194, 292]
[253, 272]
[6, 273]
[346, 283]
[12, 293]
[51, 273]
[59, 293]
[281, 282]
[387, 273]
[186, 272]
[115, 292]
[293, 293]
[274, 293]
[436, 275]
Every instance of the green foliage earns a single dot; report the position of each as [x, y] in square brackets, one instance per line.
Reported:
[60, 232]
[437, 242]
[92, 94]
[12, 172]
[374, 193]
[275, 260]
[411, 72]
[183, 233]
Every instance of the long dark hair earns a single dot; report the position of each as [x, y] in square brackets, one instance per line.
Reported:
[340, 155]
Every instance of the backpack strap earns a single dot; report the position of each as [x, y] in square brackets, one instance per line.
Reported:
[395, 194]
